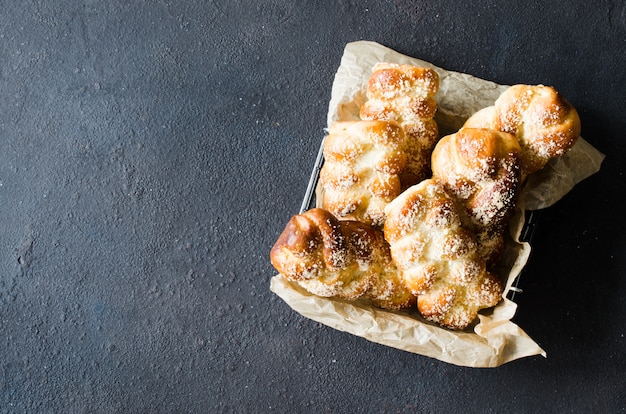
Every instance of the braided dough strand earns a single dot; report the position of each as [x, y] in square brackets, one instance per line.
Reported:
[344, 259]
[544, 122]
[363, 160]
[437, 257]
[406, 94]
[480, 168]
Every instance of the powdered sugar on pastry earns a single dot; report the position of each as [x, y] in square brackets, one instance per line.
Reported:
[406, 94]
[544, 122]
[481, 169]
[437, 257]
[344, 259]
[363, 160]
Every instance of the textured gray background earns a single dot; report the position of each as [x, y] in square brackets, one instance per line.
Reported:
[151, 152]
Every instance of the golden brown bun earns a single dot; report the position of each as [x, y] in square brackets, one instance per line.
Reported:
[363, 160]
[406, 94]
[481, 169]
[437, 257]
[545, 123]
[345, 259]
[402, 93]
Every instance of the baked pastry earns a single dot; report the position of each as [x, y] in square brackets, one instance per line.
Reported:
[437, 257]
[481, 169]
[360, 175]
[345, 259]
[406, 94]
[545, 123]
[388, 290]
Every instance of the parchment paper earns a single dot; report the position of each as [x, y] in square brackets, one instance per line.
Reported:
[495, 340]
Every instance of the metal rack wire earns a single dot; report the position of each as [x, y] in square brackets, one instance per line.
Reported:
[309, 196]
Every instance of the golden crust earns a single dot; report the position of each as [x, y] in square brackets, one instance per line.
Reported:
[363, 160]
[344, 259]
[437, 257]
[481, 169]
[390, 80]
[389, 291]
[544, 122]
[456, 307]
[406, 94]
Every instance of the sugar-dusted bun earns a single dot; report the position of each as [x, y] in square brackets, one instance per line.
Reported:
[345, 259]
[544, 122]
[481, 169]
[406, 94]
[363, 160]
[403, 93]
[437, 257]
[317, 251]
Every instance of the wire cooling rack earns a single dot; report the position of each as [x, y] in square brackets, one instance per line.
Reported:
[309, 196]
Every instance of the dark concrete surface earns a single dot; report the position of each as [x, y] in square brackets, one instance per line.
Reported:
[152, 151]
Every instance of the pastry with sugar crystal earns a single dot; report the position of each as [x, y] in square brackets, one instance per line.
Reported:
[360, 175]
[388, 290]
[438, 257]
[544, 122]
[481, 169]
[406, 94]
[344, 259]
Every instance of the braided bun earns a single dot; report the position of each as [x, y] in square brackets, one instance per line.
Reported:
[480, 168]
[344, 259]
[363, 160]
[406, 94]
[437, 257]
[545, 123]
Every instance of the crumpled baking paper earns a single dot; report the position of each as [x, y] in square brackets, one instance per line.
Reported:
[495, 339]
